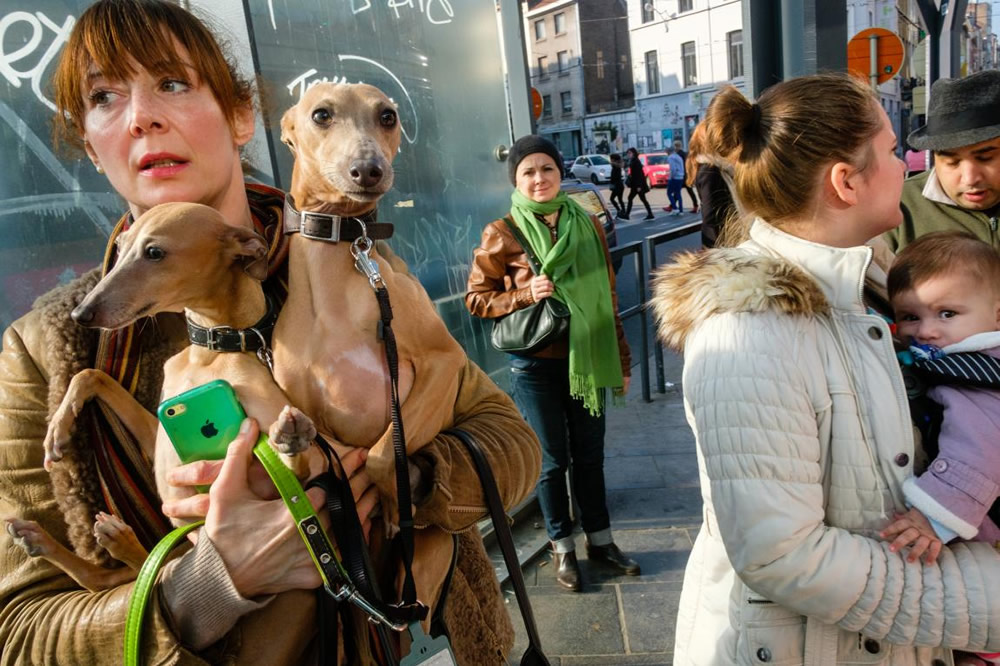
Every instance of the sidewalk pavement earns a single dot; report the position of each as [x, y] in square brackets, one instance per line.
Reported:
[655, 503]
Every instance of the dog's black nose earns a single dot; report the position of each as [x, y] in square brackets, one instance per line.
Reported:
[366, 173]
[82, 315]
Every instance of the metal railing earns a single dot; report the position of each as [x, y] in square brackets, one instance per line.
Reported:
[651, 244]
[639, 309]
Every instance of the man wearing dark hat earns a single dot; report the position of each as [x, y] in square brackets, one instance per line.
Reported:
[962, 191]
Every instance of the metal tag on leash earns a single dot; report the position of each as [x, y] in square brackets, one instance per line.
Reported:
[427, 651]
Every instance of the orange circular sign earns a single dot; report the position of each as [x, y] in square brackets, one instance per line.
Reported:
[536, 104]
[889, 54]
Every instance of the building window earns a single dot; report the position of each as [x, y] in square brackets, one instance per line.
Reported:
[546, 106]
[563, 61]
[652, 73]
[567, 102]
[543, 67]
[735, 41]
[539, 29]
[684, 5]
[647, 10]
[600, 64]
[689, 64]
[560, 23]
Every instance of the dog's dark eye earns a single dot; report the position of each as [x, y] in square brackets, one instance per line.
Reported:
[154, 253]
[322, 117]
[388, 118]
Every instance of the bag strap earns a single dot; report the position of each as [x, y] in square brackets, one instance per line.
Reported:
[536, 265]
[534, 654]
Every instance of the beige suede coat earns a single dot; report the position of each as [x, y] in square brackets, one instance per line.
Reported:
[46, 619]
[804, 440]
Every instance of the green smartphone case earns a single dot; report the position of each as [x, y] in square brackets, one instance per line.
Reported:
[202, 421]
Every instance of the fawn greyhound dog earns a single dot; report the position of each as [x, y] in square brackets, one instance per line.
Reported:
[154, 273]
[328, 357]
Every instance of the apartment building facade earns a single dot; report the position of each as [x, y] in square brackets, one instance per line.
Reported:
[683, 51]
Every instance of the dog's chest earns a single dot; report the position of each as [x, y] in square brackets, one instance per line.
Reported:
[336, 370]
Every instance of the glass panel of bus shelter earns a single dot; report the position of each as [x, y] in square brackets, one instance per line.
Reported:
[441, 64]
[56, 211]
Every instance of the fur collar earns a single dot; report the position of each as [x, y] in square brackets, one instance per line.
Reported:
[701, 284]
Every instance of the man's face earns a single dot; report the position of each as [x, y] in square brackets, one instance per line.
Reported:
[971, 175]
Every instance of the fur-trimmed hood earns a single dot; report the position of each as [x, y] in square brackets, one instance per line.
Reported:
[701, 284]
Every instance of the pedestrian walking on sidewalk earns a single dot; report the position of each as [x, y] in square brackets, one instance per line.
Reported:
[679, 149]
[799, 410]
[560, 389]
[617, 185]
[676, 182]
[637, 185]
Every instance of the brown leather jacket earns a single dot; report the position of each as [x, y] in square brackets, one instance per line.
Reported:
[499, 279]
[45, 618]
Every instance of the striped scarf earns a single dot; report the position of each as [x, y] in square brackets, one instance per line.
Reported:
[126, 476]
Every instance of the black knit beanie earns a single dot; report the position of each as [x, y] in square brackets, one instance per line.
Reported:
[529, 145]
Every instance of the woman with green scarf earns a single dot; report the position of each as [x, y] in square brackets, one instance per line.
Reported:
[561, 389]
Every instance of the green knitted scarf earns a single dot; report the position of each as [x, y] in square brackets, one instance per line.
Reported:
[578, 268]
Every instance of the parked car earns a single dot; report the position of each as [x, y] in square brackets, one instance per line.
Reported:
[588, 196]
[595, 168]
[655, 168]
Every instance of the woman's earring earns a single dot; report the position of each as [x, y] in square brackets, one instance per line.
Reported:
[99, 168]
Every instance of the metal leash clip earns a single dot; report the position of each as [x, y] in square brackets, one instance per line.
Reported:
[361, 250]
[375, 616]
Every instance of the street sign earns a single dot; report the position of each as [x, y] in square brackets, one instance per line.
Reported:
[536, 103]
[876, 54]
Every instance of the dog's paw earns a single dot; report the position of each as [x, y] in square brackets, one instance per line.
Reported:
[292, 432]
[30, 537]
[82, 387]
[119, 540]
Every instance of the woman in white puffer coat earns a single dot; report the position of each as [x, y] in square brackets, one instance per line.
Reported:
[798, 407]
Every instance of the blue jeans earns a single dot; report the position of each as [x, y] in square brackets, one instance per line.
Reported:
[674, 187]
[568, 432]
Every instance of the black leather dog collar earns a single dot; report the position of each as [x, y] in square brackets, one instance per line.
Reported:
[228, 339]
[334, 228]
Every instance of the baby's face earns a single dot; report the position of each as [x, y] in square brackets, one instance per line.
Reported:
[946, 309]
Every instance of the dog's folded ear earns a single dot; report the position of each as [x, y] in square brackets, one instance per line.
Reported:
[250, 250]
[288, 129]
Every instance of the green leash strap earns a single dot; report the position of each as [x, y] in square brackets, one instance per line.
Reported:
[335, 578]
[144, 588]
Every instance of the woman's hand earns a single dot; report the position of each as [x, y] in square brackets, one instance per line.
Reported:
[256, 538]
[541, 287]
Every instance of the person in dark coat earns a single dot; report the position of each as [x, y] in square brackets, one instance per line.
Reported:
[617, 185]
[636, 183]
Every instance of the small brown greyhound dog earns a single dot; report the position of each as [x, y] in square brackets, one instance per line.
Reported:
[328, 357]
[154, 274]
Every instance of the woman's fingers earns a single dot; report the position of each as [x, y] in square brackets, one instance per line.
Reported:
[198, 473]
[233, 478]
[193, 507]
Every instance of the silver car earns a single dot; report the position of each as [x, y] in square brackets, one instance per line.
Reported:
[595, 168]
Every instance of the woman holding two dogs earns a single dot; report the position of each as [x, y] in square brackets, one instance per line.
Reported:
[144, 89]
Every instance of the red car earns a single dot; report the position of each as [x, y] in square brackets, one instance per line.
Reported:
[655, 168]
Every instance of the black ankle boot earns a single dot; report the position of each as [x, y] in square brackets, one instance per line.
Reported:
[612, 555]
[567, 570]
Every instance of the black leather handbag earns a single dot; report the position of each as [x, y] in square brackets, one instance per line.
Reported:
[535, 327]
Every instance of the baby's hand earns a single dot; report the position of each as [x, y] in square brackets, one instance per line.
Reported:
[914, 530]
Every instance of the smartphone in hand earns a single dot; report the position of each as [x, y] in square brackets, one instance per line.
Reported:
[202, 421]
